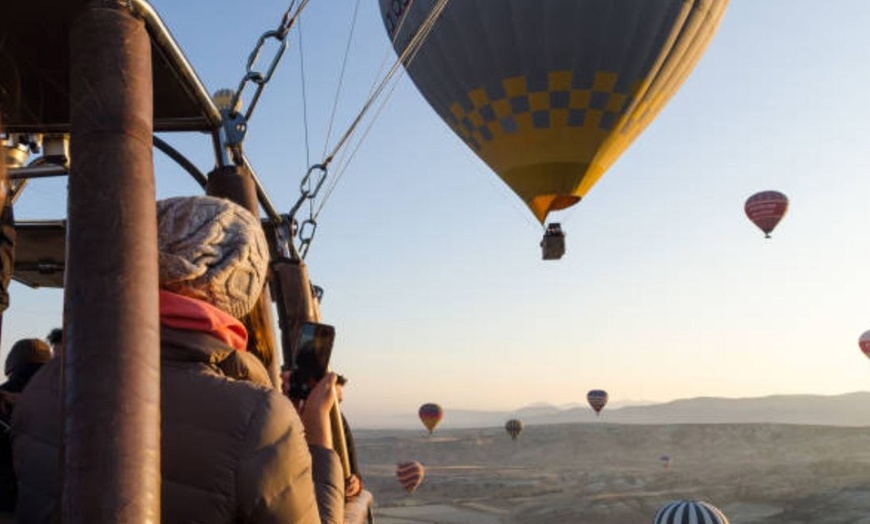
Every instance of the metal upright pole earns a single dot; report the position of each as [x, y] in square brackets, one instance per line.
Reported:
[111, 364]
[235, 183]
[7, 237]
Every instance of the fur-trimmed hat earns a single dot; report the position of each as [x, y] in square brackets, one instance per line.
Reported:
[213, 250]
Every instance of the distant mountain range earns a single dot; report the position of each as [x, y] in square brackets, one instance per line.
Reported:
[850, 409]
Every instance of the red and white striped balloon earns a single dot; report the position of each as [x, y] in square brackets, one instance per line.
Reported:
[864, 343]
[766, 209]
[410, 475]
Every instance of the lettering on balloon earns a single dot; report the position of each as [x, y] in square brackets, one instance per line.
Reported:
[394, 15]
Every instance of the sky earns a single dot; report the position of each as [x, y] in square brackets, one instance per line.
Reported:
[431, 266]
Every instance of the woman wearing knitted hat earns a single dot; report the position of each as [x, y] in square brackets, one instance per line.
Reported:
[233, 449]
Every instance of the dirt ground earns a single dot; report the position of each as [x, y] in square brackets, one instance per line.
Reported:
[612, 474]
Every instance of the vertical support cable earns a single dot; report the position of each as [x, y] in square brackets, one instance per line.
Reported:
[111, 364]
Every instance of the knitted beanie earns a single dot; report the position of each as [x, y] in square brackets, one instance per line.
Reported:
[26, 351]
[212, 250]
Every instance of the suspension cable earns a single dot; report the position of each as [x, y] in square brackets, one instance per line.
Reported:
[407, 56]
[304, 97]
[341, 77]
[404, 59]
[381, 68]
[317, 174]
[345, 160]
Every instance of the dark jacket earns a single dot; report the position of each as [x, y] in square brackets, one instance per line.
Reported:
[16, 383]
[233, 449]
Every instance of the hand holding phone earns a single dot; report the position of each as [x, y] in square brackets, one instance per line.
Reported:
[310, 358]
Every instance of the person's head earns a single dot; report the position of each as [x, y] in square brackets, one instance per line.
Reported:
[212, 250]
[54, 338]
[25, 358]
[340, 381]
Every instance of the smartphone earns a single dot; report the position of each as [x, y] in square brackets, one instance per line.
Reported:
[311, 358]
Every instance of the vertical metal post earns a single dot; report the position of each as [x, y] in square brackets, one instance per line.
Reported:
[6, 244]
[236, 184]
[112, 360]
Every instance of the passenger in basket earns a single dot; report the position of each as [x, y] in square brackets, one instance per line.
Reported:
[233, 450]
[25, 358]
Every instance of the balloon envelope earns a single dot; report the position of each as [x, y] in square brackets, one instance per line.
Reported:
[410, 475]
[430, 414]
[766, 209]
[549, 94]
[597, 398]
[514, 427]
[864, 343]
[683, 511]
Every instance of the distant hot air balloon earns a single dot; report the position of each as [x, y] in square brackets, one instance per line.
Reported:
[514, 427]
[549, 94]
[864, 343]
[431, 415]
[683, 511]
[665, 460]
[766, 209]
[597, 398]
[410, 475]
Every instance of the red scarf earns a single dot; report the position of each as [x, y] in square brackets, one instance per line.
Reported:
[181, 312]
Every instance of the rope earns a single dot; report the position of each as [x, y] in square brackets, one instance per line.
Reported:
[345, 160]
[304, 98]
[341, 77]
[405, 58]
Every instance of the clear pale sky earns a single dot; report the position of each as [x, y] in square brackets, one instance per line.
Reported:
[432, 268]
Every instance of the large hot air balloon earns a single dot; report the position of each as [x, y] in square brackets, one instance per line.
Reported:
[766, 209]
[431, 415]
[514, 427]
[864, 343]
[597, 398]
[410, 475]
[549, 94]
[682, 511]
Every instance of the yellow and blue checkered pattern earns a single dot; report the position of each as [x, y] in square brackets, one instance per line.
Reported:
[516, 107]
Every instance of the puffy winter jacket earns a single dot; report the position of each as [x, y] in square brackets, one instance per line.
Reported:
[233, 450]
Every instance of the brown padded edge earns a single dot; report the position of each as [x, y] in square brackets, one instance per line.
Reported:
[111, 361]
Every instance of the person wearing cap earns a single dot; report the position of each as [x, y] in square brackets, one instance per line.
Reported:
[234, 450]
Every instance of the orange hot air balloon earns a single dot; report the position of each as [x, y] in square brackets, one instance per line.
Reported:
[550, 93]
[430, 414]
[410, 475]
[766, 209]
[864, 343]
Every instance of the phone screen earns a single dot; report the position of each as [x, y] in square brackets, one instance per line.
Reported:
[311, 361]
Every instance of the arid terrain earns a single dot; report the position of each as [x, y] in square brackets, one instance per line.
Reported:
[604, 473]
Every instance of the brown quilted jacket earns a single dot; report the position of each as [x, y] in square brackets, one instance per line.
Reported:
[233, 449]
